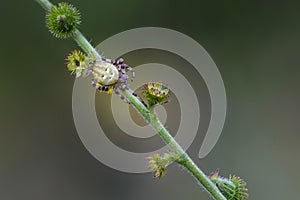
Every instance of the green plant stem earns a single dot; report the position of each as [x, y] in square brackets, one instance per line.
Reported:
[85, 45]
[151, 117]
[47, 5]
[184, 159]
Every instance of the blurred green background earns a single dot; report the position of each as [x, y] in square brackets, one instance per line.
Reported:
[256, 46]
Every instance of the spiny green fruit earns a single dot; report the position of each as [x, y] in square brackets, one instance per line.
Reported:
[77, 63]
[63, 20]
[156, 93]
[233, 188]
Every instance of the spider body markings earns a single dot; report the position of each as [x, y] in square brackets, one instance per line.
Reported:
[109, 75]
[105, 73]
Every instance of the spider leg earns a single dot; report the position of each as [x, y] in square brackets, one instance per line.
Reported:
[120, 95]
[127, 67]
[108, 60]
[89, 72]
[124, 86]
[95, 85]
[120, 61]
[123, 70]
[119, 67]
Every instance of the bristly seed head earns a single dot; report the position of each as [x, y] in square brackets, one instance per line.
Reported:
[63, 20]
[233, 188]
[158, 164]
[156, 93]
[77, 63]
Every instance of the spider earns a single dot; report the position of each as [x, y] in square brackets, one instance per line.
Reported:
[109, 75]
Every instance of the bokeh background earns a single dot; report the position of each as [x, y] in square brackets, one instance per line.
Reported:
[256, 46]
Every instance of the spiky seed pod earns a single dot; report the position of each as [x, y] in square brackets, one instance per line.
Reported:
[158, 165]
[63, 20]
[233, 188]
[155, 93]
[77, 63]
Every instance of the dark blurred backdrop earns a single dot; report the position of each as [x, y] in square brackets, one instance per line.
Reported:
[256, 46]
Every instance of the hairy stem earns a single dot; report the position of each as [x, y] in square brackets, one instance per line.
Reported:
[184, 160]
[151, 117]
[86, 46]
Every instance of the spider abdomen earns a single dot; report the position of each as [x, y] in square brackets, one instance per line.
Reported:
[105, 73]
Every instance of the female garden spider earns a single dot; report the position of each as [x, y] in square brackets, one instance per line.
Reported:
[109, 75]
